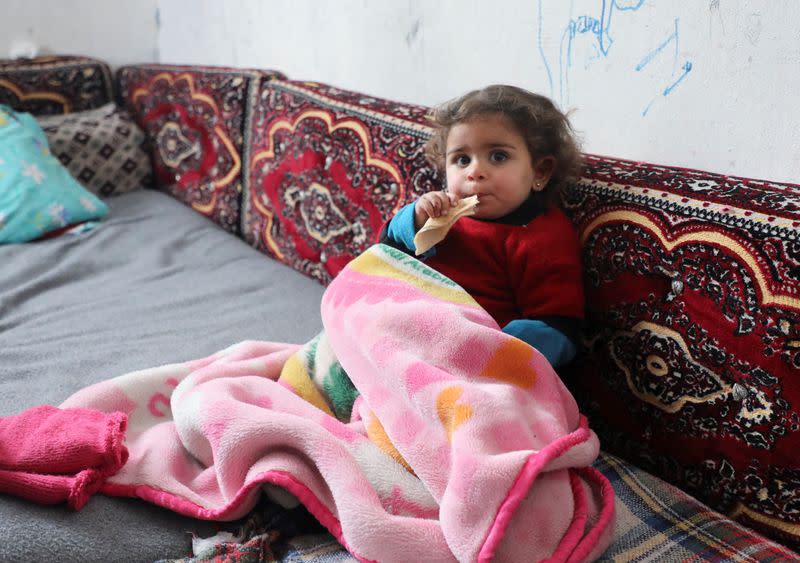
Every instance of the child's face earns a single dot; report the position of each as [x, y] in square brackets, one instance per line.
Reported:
[488, 157]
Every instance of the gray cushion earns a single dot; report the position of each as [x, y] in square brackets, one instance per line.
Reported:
[156, 283]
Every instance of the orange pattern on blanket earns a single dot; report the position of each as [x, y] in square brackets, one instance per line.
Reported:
[451, 413]
[511, 363]
[380, 438]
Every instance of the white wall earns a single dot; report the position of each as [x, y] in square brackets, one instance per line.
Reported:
[711, 84]
[117, 31]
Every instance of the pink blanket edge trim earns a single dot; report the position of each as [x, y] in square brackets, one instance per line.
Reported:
[518, 491]
[606, 514]
[572, 537]
[280, 478]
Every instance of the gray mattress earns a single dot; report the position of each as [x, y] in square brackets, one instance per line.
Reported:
[155, 283]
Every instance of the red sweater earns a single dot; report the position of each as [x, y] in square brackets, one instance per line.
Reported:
[516, 271]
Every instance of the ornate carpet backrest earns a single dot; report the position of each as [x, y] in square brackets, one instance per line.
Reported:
[194, 118]
[693, 363]
[692, 360]
[326, 168]
[54, 85]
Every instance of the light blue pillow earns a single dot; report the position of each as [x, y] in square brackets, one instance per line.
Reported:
[37, 194]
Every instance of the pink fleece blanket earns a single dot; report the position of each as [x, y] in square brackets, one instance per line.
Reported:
[412, 428]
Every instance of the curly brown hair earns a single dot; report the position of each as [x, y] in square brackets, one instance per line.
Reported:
[546, 130]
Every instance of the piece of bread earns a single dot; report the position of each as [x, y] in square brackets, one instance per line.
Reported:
[435, 228]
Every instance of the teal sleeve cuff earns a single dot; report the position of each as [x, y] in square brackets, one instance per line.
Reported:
[401, 227]
[401, 231]
[553, 344]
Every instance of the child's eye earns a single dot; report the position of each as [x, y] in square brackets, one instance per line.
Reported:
[498, 156]
[461, 160]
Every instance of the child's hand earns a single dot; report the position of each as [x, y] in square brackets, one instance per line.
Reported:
[432, 204]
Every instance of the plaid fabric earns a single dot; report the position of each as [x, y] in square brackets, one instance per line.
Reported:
[322, 548]
[658, 522]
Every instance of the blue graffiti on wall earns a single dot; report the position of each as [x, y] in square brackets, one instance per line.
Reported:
[601, 28]
[686, 68]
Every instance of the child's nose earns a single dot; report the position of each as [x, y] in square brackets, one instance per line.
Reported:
[475, 171]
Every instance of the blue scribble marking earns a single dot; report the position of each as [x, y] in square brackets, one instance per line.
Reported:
[687, 68]
[673, 37]
[646, 109]
[541, 51]
[600, 27]
[607, 11]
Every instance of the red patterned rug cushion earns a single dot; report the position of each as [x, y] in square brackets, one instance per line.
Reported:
[193, 118]
[327, 168]
[54, 85]
[693, 363]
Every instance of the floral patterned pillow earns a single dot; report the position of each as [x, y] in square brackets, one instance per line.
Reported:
[692, 341]
[327, 167]
[102, 148]
[37, 194]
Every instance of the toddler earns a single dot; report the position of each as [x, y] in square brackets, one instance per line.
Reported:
[518, 255]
